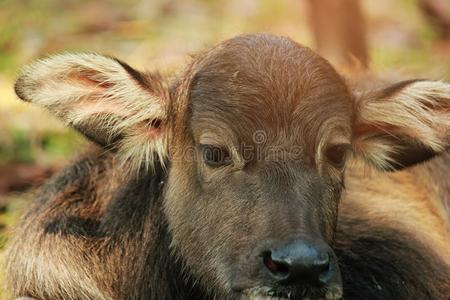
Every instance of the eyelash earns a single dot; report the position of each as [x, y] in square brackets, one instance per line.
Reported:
[215, 156]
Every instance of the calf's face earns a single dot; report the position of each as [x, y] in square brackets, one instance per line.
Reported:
[253, 204]
[255, 135]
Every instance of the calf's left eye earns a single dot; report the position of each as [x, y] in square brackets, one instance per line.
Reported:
[337, 154]
[215, 156]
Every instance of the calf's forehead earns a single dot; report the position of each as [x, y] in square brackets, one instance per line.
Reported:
[269, 83]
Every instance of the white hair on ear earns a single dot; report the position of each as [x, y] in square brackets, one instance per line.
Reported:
[378, 151]
[418, 111]
[95, 91]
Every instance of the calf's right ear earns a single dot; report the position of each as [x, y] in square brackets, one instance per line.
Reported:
[105, 99]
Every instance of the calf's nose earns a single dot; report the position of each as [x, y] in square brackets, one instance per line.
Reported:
[299, 262]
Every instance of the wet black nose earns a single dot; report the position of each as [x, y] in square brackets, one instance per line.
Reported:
[301, 261]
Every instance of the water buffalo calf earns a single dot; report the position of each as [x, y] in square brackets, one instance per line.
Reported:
[228, 182]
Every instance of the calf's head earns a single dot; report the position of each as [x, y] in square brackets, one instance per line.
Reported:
[255, 135]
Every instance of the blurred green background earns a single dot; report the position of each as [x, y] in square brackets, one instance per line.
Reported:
[160, 34]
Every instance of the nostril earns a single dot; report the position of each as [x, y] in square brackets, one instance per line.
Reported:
[277, 268]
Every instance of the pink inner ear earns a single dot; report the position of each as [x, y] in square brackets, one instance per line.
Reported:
[147, 129]
[151, 128]
[155, 123]
[87, 77]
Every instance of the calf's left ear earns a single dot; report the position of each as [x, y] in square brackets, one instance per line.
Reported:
[105, 99]
[403, 124]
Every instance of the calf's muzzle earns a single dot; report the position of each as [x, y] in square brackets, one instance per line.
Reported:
[300, 262]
